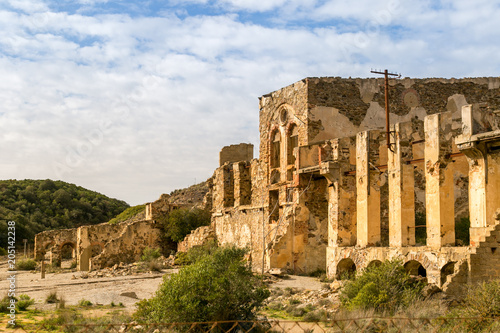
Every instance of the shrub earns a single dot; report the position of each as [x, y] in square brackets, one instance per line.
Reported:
[84, 302]
[386, 287]
[195, 253]
[316, 316]
[217, 287]
[52, 297]
[3, 252]
[150, 254]
[482, 307]
[24, 301]
[155, 266]
[4, 303]
[26, 265]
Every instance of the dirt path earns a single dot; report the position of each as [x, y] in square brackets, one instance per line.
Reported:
[72, 288]
[301, 282]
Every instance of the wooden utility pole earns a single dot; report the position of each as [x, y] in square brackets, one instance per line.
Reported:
[386, 86]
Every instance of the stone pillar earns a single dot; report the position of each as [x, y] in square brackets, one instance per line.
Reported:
[484, 179]
[401, 187]
[439, 188]
[341, 195]
[83, 251]
[367, 189]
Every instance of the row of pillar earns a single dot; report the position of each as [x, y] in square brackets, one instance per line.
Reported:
[354, 190]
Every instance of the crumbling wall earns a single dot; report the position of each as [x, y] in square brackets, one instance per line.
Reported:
[197, 237]
[51, 242]
[236, 153]
[128, 246]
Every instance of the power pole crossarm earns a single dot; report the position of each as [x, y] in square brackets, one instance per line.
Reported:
[386, 90]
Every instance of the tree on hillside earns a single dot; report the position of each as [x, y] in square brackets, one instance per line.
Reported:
[39, 205]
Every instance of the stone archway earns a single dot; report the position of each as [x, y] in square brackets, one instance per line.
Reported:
[346, 268]
[414, 267]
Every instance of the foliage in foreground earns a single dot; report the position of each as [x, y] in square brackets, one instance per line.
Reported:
[482, 307]
[217, 287]
[386, 287]
[76, 322]
[22, 303]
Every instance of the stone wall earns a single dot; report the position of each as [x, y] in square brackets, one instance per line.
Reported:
[197, 237]
[236, 153]
[51, 243]
[129, 245]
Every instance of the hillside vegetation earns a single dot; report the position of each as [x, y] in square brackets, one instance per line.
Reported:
[39, 205]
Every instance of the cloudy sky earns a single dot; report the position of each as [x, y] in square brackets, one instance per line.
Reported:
[134, 98]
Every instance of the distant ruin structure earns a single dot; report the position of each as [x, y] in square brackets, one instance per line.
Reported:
[327, 193]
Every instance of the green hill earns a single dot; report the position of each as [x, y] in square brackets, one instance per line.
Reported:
[39, 205]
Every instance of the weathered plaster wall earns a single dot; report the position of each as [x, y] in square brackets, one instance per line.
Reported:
[128, 245]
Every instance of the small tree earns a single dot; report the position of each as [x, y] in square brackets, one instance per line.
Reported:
[180, 222]
[217, 287]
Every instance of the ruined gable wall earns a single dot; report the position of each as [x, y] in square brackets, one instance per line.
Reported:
[292, 98]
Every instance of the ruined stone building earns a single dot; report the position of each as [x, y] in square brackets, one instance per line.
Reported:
[328, 193]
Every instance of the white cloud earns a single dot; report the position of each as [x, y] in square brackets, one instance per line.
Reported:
[137, 106]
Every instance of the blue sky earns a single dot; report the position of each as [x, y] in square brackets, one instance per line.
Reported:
[136, 98]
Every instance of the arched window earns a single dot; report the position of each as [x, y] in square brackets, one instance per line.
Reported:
[293, 142]
[275, 149]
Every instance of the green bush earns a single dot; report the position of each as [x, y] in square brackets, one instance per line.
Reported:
[150, 254]
[4, 303]
[24, 301]
[195, 253]
[26, 265]
[482, 307]
[386, 287]
[84, 302]
[217, 287]
[3, 252]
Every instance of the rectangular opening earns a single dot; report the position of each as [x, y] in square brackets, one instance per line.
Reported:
[274, 208]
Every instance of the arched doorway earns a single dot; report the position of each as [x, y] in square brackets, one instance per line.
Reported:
[346, 269]
[413, 267]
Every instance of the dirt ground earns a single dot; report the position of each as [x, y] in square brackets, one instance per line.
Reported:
[72, 288]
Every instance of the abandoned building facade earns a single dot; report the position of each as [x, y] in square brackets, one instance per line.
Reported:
[328, 193]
